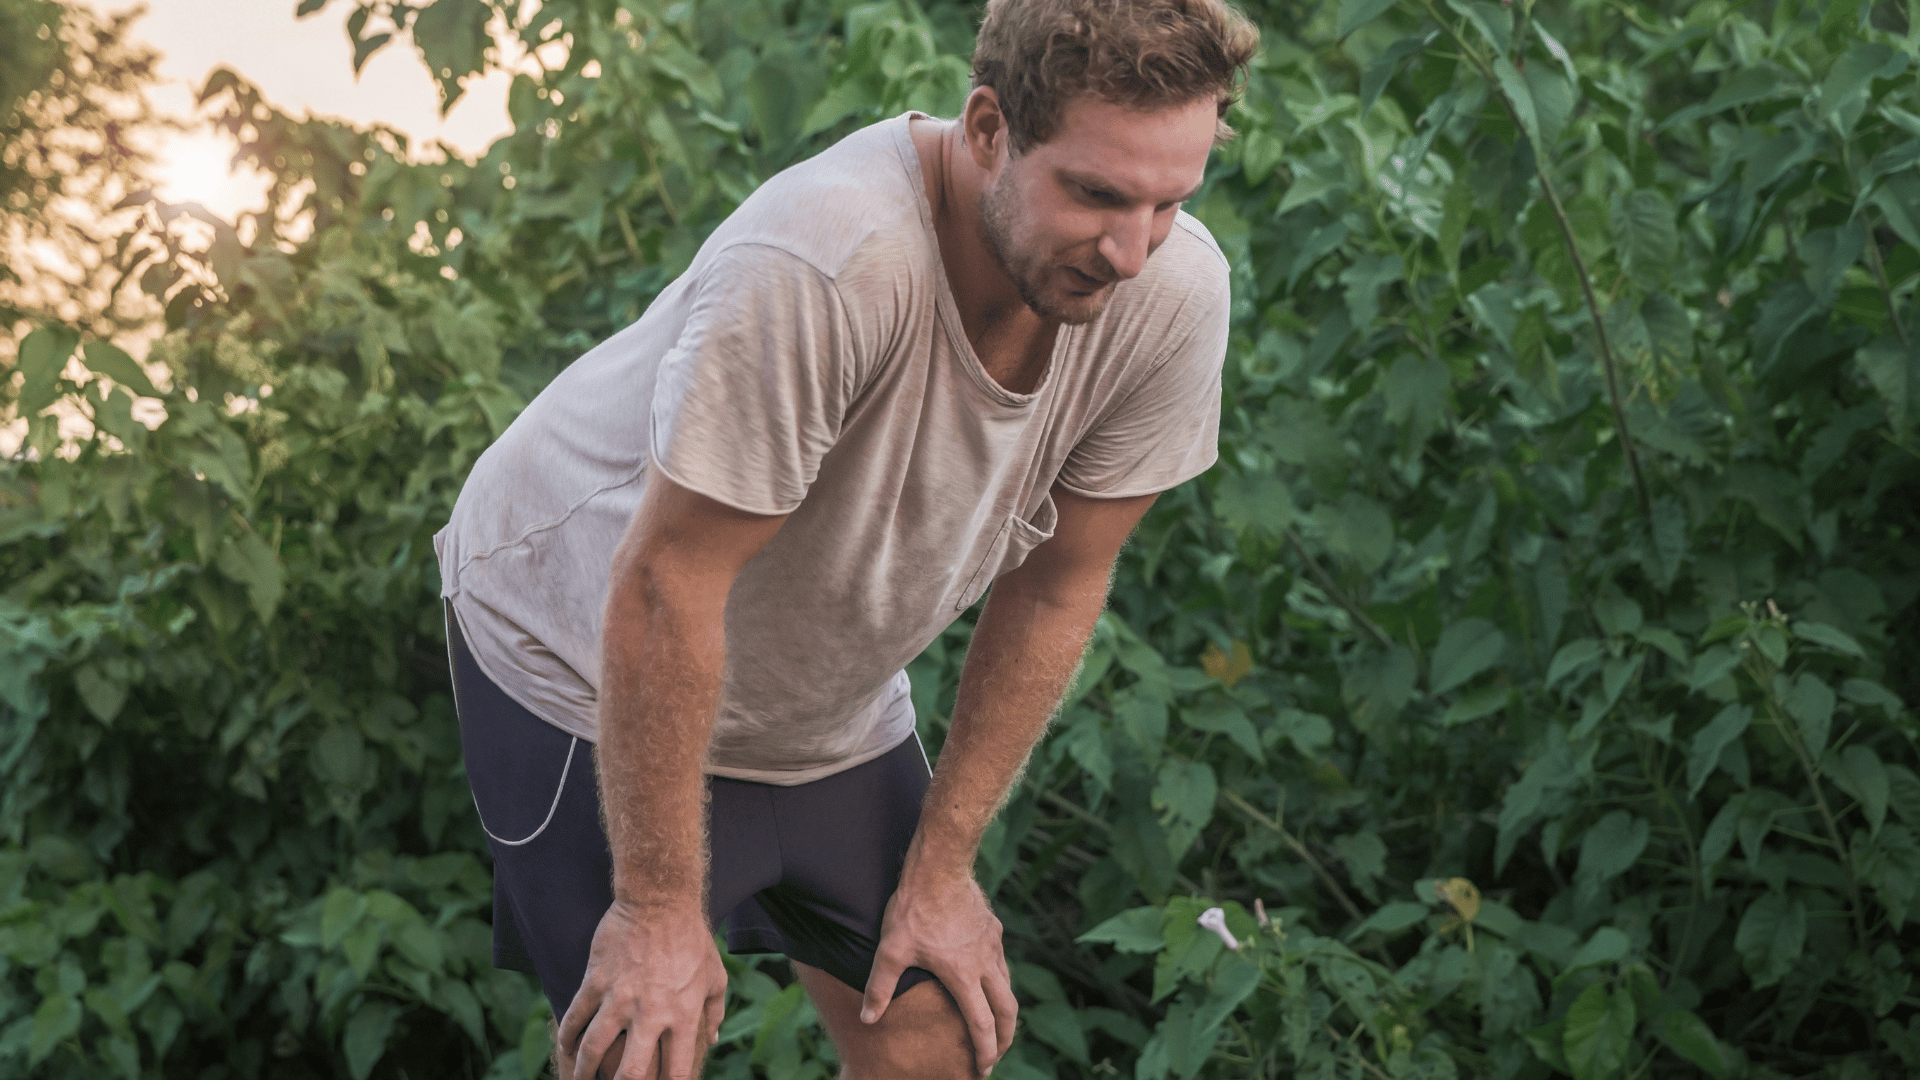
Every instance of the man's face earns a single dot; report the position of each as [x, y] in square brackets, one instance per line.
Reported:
[1073, 216]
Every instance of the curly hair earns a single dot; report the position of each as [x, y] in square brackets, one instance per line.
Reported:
[1038, 55]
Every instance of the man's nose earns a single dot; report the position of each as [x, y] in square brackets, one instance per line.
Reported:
[1128, 241]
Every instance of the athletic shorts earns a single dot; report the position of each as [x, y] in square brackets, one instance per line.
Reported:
[804, 870]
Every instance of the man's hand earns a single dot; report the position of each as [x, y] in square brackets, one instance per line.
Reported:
[654, 975]
[945, 925]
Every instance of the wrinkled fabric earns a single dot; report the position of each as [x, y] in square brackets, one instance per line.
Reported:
[811, 363]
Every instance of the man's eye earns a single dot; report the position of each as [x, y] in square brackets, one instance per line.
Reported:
[1098, 195]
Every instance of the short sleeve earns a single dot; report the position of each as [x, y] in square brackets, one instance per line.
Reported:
[1166, 429]
[755, 390]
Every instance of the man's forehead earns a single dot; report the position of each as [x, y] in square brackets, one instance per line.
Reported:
[1160, 152]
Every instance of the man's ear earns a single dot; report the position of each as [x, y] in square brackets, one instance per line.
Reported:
[984, 127]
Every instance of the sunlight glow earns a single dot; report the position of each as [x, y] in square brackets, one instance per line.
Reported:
[194, 168]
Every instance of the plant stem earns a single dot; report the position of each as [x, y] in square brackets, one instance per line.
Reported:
[1337, 594]
[1300, 849]
[1792, 738]
[1607, 362]
[1886, 291]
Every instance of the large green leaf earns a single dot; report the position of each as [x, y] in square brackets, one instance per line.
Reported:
[1466, 649]
[1599, 1033]
[1771, 936]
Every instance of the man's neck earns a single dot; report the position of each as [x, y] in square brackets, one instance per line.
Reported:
[1005, 333]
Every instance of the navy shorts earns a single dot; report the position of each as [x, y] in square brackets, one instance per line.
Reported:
[804, 870]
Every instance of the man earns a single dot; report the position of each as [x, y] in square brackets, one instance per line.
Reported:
[934, 357]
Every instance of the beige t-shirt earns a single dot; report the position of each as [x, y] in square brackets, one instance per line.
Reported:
[811, 363]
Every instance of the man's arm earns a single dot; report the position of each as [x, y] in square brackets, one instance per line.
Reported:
[653, 977]
[1024, 651]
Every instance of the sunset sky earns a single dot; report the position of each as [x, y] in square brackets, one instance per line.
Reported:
[303, 66]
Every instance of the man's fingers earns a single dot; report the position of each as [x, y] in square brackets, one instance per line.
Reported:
[1006, 1008]
[592, 1050]
[980, 1027]
[716, 1012]
[880, 984]
[680, 1052]
[610, 1063]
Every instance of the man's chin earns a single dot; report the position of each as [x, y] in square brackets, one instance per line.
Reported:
[1072, 309]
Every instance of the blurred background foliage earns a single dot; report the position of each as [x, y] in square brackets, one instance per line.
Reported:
[1531, 656]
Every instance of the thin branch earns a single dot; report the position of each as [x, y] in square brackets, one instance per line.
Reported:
[1337, 594]
[1886, 291]
[1300, 849]
[1607, 362]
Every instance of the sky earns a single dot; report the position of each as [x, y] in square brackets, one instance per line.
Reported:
[302, 66]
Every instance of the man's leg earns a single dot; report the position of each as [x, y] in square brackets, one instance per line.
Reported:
[922, 1036]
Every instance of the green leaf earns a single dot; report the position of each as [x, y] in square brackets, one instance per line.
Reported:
[1810, 702]
[1827, 637]
[1608, 945]
[1723, 729]
[1690, 1037]
[101, 691]
[1057, 1024]
[1843, 94]
[1466, 649]
[1514, 86]
[1375, 77]
[1645, 236]
[1185, 789]
[1573, 656]
[1611, 846]
[1392, 918]
[1599, 1033]
[249, 561]
[453, 40]
[115, 364]
[1713, 665]
[1453, 221]
[1254, 502]
[1494, 22]
[1135, 931]
[1358, 528]
[341, 912]
[365, 1039]
[1553, 100]
[1363, 280]
[1357, 13]
[54, 1022]
[1899, 199]
[1477, 703]
[1744, 87]
[1861, 774]
[1416, 391]
[42, 357]
[1771, 936]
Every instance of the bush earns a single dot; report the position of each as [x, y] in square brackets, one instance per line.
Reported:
[1531, 656]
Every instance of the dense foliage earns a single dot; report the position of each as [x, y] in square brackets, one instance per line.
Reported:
[1531, 655]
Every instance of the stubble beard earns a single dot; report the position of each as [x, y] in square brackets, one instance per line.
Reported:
[1029, 270]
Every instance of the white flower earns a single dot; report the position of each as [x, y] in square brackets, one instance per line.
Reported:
[1215, 919]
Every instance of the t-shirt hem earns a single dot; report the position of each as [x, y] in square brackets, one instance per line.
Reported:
[583, 732]
[792, 777]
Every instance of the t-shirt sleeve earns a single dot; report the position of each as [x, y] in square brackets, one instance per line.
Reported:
[1166, 429]
[755, 391]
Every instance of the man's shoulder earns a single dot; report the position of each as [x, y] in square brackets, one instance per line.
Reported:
[830, 209]
[1185, 280]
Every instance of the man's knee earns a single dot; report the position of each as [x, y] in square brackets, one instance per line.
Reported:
[922, 1037]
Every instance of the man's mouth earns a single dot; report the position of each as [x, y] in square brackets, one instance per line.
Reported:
[1093, 284]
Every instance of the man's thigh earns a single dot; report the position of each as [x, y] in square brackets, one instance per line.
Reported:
[922, 1035]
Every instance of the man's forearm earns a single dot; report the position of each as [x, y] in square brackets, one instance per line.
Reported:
[1023, 654]
[661, 669]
